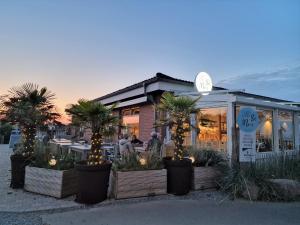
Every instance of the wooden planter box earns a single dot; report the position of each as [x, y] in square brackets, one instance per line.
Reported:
[132, 184]
[204, 178]
[55, 183]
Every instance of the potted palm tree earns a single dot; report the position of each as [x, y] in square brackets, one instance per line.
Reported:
[179, 168]
[29, 107]
[93, 174]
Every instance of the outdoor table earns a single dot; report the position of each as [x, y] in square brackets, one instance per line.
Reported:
[61, 140]
[82, 149]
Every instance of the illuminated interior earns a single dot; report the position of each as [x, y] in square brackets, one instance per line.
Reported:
[213, 129]
[130, 122]
[264, 131]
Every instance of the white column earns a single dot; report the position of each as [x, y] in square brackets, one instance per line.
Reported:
[230, 126]
[296, 130]
[275, 130]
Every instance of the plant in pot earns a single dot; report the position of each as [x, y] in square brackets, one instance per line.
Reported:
[50, 174]
[206, 167]
[137, 175]
[178, 110]
[93, 174]
[30, 108]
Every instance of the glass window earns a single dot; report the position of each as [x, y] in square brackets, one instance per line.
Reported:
[131, 121]
[264, 131]
[213, 128]
[286, 130]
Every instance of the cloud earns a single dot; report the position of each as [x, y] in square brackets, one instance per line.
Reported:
[282, 84]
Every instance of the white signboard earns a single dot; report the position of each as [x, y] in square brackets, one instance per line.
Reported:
[203, 82]
[248, 122]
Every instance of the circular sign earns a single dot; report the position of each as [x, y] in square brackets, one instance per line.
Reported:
[203, 82]
[248, 119]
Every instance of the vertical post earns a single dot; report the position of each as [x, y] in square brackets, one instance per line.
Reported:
[231, 136]
[296, 131]
[193, 131]
[275, 130]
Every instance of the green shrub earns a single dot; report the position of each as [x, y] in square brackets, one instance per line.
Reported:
[42, 157]
[206, 157]
[132, 161]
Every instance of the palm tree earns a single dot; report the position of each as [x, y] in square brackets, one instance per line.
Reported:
[29, 107]
[99, 119]
[178, 110]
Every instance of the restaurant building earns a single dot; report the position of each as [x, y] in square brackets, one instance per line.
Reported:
[278, 120]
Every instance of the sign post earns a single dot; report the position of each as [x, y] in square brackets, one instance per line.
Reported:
[248, 121]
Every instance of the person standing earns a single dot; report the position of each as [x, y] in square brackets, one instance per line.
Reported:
[154, 144]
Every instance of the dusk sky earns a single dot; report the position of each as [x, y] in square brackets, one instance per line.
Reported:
[89, 48]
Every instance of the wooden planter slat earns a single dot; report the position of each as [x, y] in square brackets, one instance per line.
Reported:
[55, 183]
[205, 178]
[131, 184]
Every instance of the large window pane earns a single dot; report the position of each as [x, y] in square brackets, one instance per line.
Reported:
[286, 130]
[264, 131]
[131, 121]
[213, 128]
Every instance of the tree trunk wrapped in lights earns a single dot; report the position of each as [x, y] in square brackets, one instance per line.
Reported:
[96, 155]
[28, 137]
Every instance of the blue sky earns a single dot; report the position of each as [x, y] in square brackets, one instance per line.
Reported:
[89, 48]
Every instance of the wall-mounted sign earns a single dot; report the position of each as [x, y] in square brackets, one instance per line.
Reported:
[203, 82]
[248, 121]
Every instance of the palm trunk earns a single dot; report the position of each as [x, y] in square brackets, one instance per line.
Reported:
[96, 155]
[179, 139]
[28, 133]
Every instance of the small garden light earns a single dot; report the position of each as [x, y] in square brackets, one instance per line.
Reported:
[143, 161]
[192, 158]
[52, 162]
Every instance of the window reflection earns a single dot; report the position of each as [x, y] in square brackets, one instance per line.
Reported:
[264, 131]
[213, 128]
[286, 130]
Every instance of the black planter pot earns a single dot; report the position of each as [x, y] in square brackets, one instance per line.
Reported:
[92, 182]
[179, 176]
[18, 164]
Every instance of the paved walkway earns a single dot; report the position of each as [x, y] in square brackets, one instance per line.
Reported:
[183, 212]
[18, 200]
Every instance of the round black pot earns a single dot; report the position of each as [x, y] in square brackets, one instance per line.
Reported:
[179, 176]
[92, 182]
[18, 164]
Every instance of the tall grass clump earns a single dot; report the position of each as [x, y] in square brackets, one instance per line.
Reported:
[240, 181]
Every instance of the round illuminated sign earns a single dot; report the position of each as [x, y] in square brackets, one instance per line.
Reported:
[248, 119]
[203, 82]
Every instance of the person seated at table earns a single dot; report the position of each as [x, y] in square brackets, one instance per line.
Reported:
[125, 145]
[135, 140]
[154, 144]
